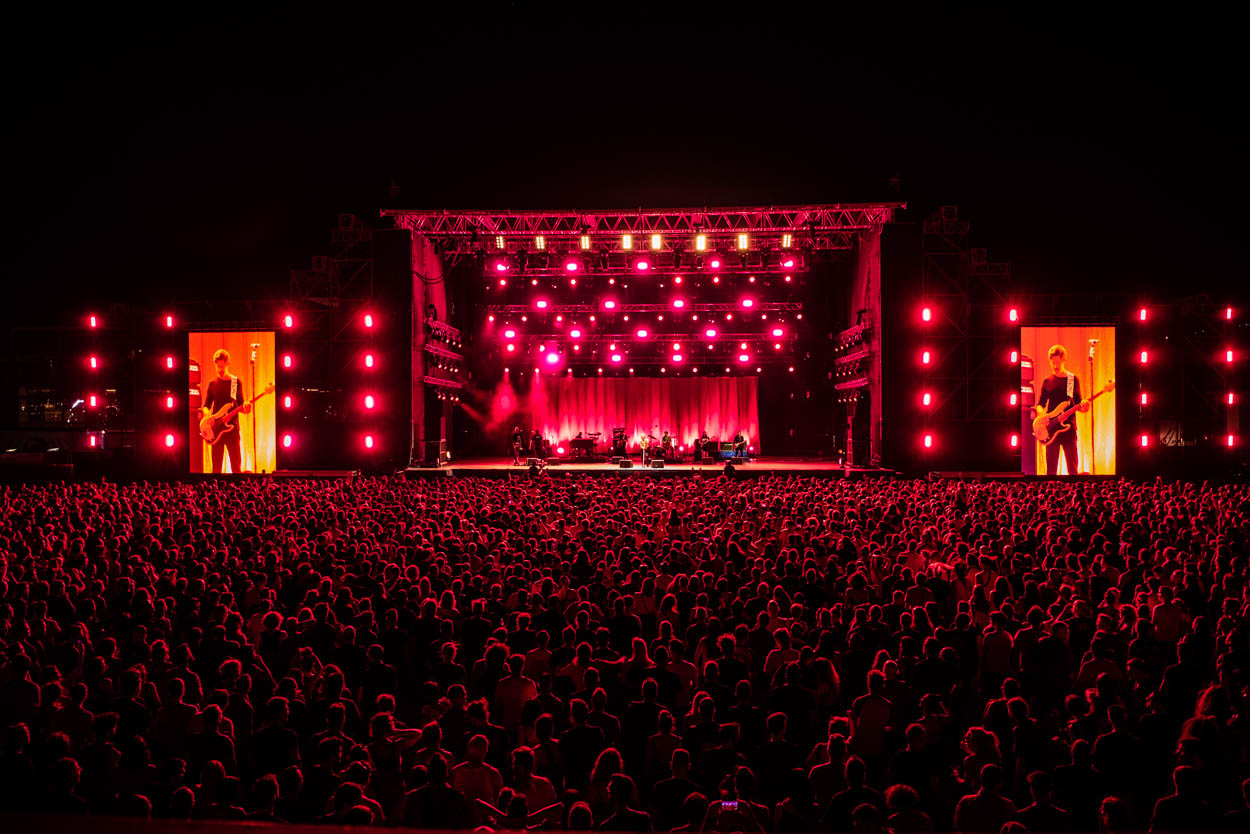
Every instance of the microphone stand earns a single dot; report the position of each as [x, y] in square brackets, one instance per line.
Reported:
[255, 464]
[1093, 460]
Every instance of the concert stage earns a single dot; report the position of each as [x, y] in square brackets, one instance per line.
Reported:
[757, 467]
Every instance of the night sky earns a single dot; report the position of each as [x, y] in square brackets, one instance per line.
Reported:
[182, 157]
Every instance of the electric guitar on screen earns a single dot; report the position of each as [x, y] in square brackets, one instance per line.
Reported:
[1049, 426]
[216, 426]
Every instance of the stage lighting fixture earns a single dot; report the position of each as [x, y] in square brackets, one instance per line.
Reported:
[368, 441]
[751, 279]
[1144, 398]
[777, 332]
[1015, 441]
[1231, 398]
[511, 348]
[572, 264]
[925, 357]
[642, 264]
[500, 265]
[368, 360]
[677, 357]
[742, 357]
[92, 321]
[700, 243]
[627, 241]
[609, 305]
[616, 357]
[777, 346]
[788, 279]
[1013, 398]
[369, 401]
[286, 401]
[498, 241]
[93, 363]
[169, 363]
[714, 263]
[928, 441]
[926, 399]
[742, 346]
[1228, 313]
[169, 322]
[1014, 357]
[585, 241]
[509, 334]
[553, 358]
[642, 333]
[91, 401]
[1141, 314]
[678, 303]
[540, 243]
[1231, 441]
[747, 302]
[787, 240]
[575, 333]
[288, 321]
[710, 333]
[503, 282]
[743, 240]
[791, 369]
[1013, 315]
[657, 242]
[169, 441]
[91, 441]
[169, 401]
[926, 314]
[1144, 440]
[286, 441]
[541, 304]
[1228, 356]
[1144, 357]
[368, 320]
[286, 360]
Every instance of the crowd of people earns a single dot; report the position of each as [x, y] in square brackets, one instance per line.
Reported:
[634, 654]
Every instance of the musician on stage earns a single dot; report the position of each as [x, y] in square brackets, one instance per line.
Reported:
[645, 443]
[740, 445]
[700, 446]
[225, 389]
[537, 447]
[518, 445]
[666, 446]
[1060, 387]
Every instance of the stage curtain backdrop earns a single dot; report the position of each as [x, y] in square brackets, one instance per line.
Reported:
[202, 346]
[1098, 446]
[560, 407]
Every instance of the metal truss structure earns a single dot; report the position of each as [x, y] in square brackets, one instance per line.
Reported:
[622, 264]
[629, 338]
[592, 309]
[810, 227]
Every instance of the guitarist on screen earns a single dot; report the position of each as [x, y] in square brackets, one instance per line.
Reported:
[1061, 387]
[225, 389]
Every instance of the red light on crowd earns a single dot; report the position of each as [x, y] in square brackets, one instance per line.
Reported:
[616, 357]
[368, 360]
[288, 321]
[1015, 441]
[925, 357]
[286, 401]
[928, 441]
[286, 441]
[1014, 357]
[169, 440]
[1141, 314]
[169, 402]
[93, 363]
[1145, 357]
[92, 321]
[169, 363]
[1144, 440]
[286, 360]
[1013, 398]
[369, 402]
[926, 314]
[642, 334]
[746, 302]
[1013, 314]
[169, 321]
[368, 441]
[926, 399]
[368, 320]
[1144, 398]
[710, 332]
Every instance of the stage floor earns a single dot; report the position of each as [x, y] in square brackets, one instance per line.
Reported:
[807, 467]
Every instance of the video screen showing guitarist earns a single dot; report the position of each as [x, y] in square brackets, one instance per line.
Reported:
[225, 389]
[1061, 388]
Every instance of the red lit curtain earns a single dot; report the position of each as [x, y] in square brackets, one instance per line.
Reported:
[560, 407]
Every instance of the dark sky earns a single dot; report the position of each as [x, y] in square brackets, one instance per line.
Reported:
[187, 156]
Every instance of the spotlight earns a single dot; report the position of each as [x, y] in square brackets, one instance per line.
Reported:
[286, 360]
[368, 320]
[541, 304]
[93, 363]
[742, 241]
[1015, 441]
[169, 322]
[1144, 440]
[368, 441]
[1228, 356]
[700, 243]
[616, 357]
[787, 240]
[1231, 440]
[509, 334]
[498, 241]
[572, 264]
[91, 401]
[368, 360]
[1141, 314]
[1013, 314]
[677, 358]
[585, 241]
[511, 348]
[1228, 313]
[169, 402]
[925, 357]
[657, 242]
[642, 264]
[169, 441]
[288, 321]
[710, 332]
[553, 358]
[926, 399]
[92, 321]
[540, 243]
[1144, 357]
[1014, 357]
[926, 314]
[748, 303]
[678, 303]
[369, 402]
[928, 441]
[627, 241]
[742, 357]
[1013, 398]
[286, 441]
[169, 363]
[777, 331]
[575, 334]
[642, 333]
[1144, 398]
[286, 401]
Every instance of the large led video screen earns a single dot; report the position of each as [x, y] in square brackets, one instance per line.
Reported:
[233, 426]
[1068, 408]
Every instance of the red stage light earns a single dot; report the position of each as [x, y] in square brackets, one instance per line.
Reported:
[553, 358]
[677, 279]
[1145, 357]
[1231, 440]
[616, 357]
[676, 345]
[288, 321]
[777, 346]
[788, 279]
[368, 441]
[714, 263]
[746, 302]
[926, 314]
[609, 305]
[503, 282]
[1145, 441]
[286, 401]
[926, 399]
[491, 317]
[678, 303]
[1228, 356]
[169, 402]
[560, 449]
[286, 441]
[1013, 398]
[91, 401]
[286, 360]
[742, 357]
[369, 402]
[1013, 314]
[169, 321]
[368, 360]
[677, 357]
[91, 441]
[92, 321]
[1231, 398]
[169, 363]
[572, 282]
[710, 333]
[93, 363]
[169, 440]
[368, 320]
[925, 357]
[642, 265]
[1015, 441]
[715, 279]
[928, 441]
[1228, 313]
[777, 331]
[788, 263]
[1143, 398]
[571, 266]
[511, 347]
[501, 266]
[540, 304]
[509, 333]
[642, 334]
[1014, 356]
[1141, 314]
[575, 333]
[751, 279]
[791, 369]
